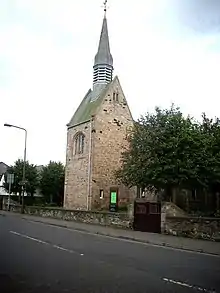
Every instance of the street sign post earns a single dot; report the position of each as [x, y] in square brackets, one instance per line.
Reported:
[10, 181]
[10, 178]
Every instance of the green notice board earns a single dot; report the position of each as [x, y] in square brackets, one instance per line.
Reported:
[113, 197]
[113, 201]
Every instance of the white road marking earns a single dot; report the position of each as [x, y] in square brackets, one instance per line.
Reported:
[188, 285]
[125, 240]
[47, 243]
[28, 237]
[81, 254]
[65, 249]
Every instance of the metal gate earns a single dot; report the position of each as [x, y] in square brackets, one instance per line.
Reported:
[147, 217]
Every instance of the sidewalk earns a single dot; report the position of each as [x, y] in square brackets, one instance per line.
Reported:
[188, 244]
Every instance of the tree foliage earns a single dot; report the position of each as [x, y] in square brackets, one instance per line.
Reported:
[210, 169]
[168, 149]
[52, 182]
[31, 177]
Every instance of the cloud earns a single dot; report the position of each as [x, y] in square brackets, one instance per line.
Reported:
[161, 54]
[202, 16]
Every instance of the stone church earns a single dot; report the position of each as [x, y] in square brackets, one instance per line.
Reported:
[96, 136]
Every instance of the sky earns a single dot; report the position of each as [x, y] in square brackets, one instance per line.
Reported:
[164, 51]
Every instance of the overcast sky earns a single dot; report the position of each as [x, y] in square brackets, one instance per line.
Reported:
[164, 51]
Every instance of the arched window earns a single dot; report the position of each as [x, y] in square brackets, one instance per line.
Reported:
[79, 143]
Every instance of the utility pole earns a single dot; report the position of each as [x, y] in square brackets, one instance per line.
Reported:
[24, 166]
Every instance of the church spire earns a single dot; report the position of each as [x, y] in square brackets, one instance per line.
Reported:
[103, 63]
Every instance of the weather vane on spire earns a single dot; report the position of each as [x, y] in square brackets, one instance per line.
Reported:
[105, 6]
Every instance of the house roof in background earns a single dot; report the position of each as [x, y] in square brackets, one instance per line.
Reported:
[3, 168]
[39, 168]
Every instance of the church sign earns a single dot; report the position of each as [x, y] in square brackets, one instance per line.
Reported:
[113, 200]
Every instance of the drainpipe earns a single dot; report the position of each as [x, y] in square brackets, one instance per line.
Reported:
[89, 167]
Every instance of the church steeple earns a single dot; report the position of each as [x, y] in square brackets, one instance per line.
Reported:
[103, 63]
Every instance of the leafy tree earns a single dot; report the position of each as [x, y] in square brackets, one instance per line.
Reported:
[31, 177]
[164, 148]
[210, 169]
[52, 182]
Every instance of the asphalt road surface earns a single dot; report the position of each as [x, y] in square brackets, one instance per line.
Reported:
[36, 257]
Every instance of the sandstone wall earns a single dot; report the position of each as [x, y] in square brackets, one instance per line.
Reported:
[110, 129]
[119, 220]
[77, 170]
[193, 227]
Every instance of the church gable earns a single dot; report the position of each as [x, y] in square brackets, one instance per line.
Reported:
[114, 103]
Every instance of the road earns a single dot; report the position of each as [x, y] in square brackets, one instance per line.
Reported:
[36, 257]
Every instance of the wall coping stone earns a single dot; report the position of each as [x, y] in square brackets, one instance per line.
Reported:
[193, 218]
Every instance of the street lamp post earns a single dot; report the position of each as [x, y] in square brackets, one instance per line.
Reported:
[24, 163]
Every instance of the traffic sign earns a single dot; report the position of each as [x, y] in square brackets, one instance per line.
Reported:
[10, 178]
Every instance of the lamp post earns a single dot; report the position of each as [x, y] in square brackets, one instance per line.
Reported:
[24, 163]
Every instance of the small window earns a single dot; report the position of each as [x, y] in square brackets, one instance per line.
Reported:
[101, 193]
[115, 97]
[79, 143]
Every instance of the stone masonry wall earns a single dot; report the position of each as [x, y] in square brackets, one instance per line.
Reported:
[76, 172]
[193, 227]
[111, 126]
[200, 228]
[119, 220]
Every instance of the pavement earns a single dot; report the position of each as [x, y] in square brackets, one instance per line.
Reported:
[167, 241]
[44, 257]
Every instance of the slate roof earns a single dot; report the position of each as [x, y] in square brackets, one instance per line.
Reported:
[3, 168]
[103, 55]
[88, 107]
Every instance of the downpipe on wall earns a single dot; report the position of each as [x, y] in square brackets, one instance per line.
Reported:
[88, 204]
